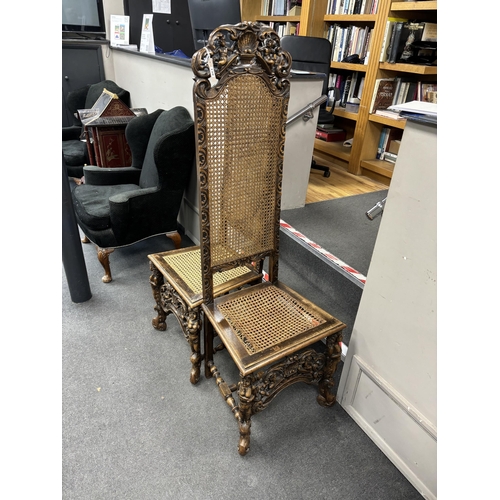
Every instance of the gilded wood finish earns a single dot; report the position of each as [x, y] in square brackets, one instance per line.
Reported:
[267, 328]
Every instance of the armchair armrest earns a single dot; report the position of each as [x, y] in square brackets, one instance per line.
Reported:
[98, 176]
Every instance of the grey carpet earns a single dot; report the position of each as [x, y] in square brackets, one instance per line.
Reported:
[135, 428]
[340, 226]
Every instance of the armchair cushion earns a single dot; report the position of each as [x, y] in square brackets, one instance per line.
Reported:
[92, 205]
[98, 176]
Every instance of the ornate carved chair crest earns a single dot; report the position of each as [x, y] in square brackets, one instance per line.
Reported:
[271, 332]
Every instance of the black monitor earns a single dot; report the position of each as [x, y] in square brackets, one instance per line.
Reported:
[206, 15]
[83, 19]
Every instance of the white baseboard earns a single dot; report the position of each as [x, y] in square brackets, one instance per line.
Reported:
[406, 436]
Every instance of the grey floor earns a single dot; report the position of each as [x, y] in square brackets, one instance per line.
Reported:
[135, 428]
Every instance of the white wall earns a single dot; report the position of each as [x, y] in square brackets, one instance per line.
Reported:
[389, 380]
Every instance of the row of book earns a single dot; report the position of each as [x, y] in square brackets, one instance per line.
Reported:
[287, 28]
[349, 40]
[388, 145]
[281, 7]
[411, 42]
[351, 7]
[390, 91]
[350, 89]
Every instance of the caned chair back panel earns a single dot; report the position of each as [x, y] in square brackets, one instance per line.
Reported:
[241, 133]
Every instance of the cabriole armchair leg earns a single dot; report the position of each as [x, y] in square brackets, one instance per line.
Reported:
[103, 256]
[176, 238]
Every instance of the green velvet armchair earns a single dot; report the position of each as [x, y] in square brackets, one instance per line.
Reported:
[117, 207]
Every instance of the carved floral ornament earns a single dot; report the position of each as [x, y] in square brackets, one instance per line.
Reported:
[253, 47]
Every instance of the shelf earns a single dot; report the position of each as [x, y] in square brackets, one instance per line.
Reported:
[380, 167]
[405, 6]
[342, 113]
[279, 19]
[351, 19]
[333, 148]
[387, 121]
[349, 66]
[409, 68]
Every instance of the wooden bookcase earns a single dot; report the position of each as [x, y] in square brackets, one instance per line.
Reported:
[363, 127]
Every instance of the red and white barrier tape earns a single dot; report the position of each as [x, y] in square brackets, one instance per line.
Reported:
[357, 276]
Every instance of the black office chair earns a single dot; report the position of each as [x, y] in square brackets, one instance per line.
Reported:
[313, 54]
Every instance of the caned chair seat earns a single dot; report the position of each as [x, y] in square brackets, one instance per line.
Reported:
[177, 288]
[264, 323]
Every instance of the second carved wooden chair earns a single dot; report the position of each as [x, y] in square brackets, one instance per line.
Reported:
[176, 284]
[272, 334]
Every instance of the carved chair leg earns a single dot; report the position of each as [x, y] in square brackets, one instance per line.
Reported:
[326, 397]
[246, 397]
[193, 327]
[156, 281]
[176, 238]
[103, 256]
[208, 335]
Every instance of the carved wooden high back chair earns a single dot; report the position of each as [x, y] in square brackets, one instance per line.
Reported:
[268, 329]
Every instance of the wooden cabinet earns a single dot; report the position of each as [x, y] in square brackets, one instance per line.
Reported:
[363, 127]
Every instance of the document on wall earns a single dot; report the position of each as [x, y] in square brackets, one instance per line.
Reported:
[162, 6]
[147, 38]
[119, 28]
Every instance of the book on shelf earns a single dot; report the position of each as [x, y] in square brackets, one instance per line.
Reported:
[351, 7]
[395, 38]
[383, 94]
[393, 115]
[386, 41]
[405, 90]
[387, 136]
[381, 142]
[346, 90]
[335, 135]
[417, 43]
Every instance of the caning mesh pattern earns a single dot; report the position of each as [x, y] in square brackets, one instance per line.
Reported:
[188, 266]
[243, 126]
[266, 317]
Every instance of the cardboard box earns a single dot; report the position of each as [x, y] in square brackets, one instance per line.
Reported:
[295, 11]
[394, 146]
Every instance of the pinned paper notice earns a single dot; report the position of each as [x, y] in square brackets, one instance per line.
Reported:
[162, 6]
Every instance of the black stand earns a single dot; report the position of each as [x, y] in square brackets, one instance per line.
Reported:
[72, 252]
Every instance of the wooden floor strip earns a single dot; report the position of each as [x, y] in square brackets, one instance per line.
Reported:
[339, 185]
